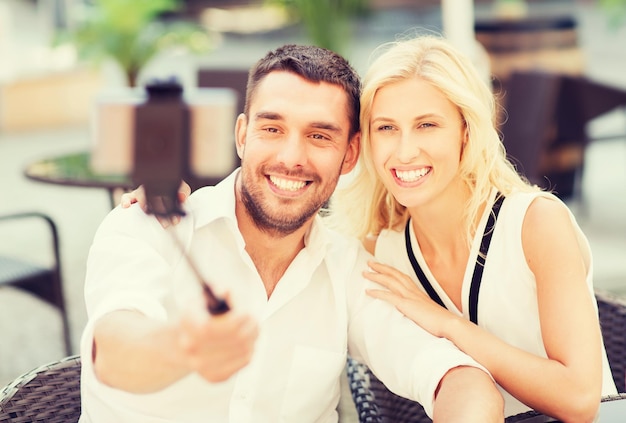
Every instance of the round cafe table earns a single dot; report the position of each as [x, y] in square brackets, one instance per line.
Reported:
[74, 170]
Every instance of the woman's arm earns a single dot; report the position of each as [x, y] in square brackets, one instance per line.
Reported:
[567, 385]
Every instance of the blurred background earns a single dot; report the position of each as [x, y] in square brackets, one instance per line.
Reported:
[69, 69]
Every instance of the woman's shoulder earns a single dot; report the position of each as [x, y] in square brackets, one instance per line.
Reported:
[518, 204]
[527, 197]
[536, 204]
[544, 213]
[547, 221]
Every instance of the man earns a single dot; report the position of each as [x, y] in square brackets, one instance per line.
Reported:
[295, 289]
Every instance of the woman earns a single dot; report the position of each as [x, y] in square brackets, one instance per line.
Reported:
[432, 173]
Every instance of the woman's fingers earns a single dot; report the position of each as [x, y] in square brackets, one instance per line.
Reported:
[380, 294]
[184, 191]
[136, 196]
[391, 279]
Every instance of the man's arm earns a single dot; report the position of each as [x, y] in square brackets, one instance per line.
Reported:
[133, 341]
[137, 354]
[468, 394]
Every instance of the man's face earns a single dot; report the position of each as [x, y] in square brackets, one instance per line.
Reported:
[294, 146]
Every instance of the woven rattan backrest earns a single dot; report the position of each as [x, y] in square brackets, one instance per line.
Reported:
[612, 311]
[376, 404]
[50, 394]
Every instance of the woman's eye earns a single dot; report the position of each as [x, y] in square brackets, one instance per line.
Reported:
[426, 125]
[385, 128]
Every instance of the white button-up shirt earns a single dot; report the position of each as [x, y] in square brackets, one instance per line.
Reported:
[317, 313]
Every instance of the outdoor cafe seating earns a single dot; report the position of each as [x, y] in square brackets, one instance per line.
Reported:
[376, 404]
[51, 393]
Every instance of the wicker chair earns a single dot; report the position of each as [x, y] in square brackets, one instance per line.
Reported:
[535, 417]
[42, 281]
[50, 394]
[376, 404]
[612, 311]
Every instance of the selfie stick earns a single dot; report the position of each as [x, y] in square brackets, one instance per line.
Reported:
[161, 135]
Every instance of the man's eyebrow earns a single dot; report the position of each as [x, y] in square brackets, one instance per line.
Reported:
[327, 126]
[268, 115]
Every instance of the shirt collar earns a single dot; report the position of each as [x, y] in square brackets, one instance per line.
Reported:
[210, 203]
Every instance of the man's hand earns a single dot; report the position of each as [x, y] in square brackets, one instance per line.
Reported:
[219, 346]
[141, 355]
[139, 196]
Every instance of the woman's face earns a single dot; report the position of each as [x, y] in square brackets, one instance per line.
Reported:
[416, 137]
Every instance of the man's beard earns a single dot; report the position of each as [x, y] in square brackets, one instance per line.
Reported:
[278, 223]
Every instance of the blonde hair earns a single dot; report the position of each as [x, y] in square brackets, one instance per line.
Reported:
[364, 207]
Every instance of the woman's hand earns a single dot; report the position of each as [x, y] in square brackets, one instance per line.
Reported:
[139, 196]
[407, 297]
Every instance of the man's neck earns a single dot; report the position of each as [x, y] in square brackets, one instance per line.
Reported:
[271, 253]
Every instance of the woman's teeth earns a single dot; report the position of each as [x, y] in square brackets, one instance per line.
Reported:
[411, 175]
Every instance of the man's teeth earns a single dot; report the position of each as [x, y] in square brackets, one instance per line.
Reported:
[287, 184]
[411, 175]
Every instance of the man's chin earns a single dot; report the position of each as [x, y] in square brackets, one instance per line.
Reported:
[282, 223]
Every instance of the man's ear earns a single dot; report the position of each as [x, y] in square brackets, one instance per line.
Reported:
[352, 154]
[241, 128]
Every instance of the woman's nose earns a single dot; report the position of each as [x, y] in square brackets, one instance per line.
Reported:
[407, 148]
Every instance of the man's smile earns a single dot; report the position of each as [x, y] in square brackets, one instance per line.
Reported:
[287, 184]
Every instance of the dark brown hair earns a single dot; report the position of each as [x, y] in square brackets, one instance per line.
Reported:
[314, 64]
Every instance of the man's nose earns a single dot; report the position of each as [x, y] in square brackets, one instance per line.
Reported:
[293, 151]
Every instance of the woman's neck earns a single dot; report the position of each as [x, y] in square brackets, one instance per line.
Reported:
[440, 226]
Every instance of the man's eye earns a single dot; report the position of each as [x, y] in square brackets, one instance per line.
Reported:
[271, 130]
[319, 137]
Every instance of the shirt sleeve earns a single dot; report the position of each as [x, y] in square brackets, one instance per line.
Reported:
[406, 358]
[129, 267]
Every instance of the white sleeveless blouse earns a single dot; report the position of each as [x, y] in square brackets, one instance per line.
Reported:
[507, 305]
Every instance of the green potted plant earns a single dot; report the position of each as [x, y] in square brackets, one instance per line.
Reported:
[132, 32]
[511, 9]
[327, 22]
[616, 9]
